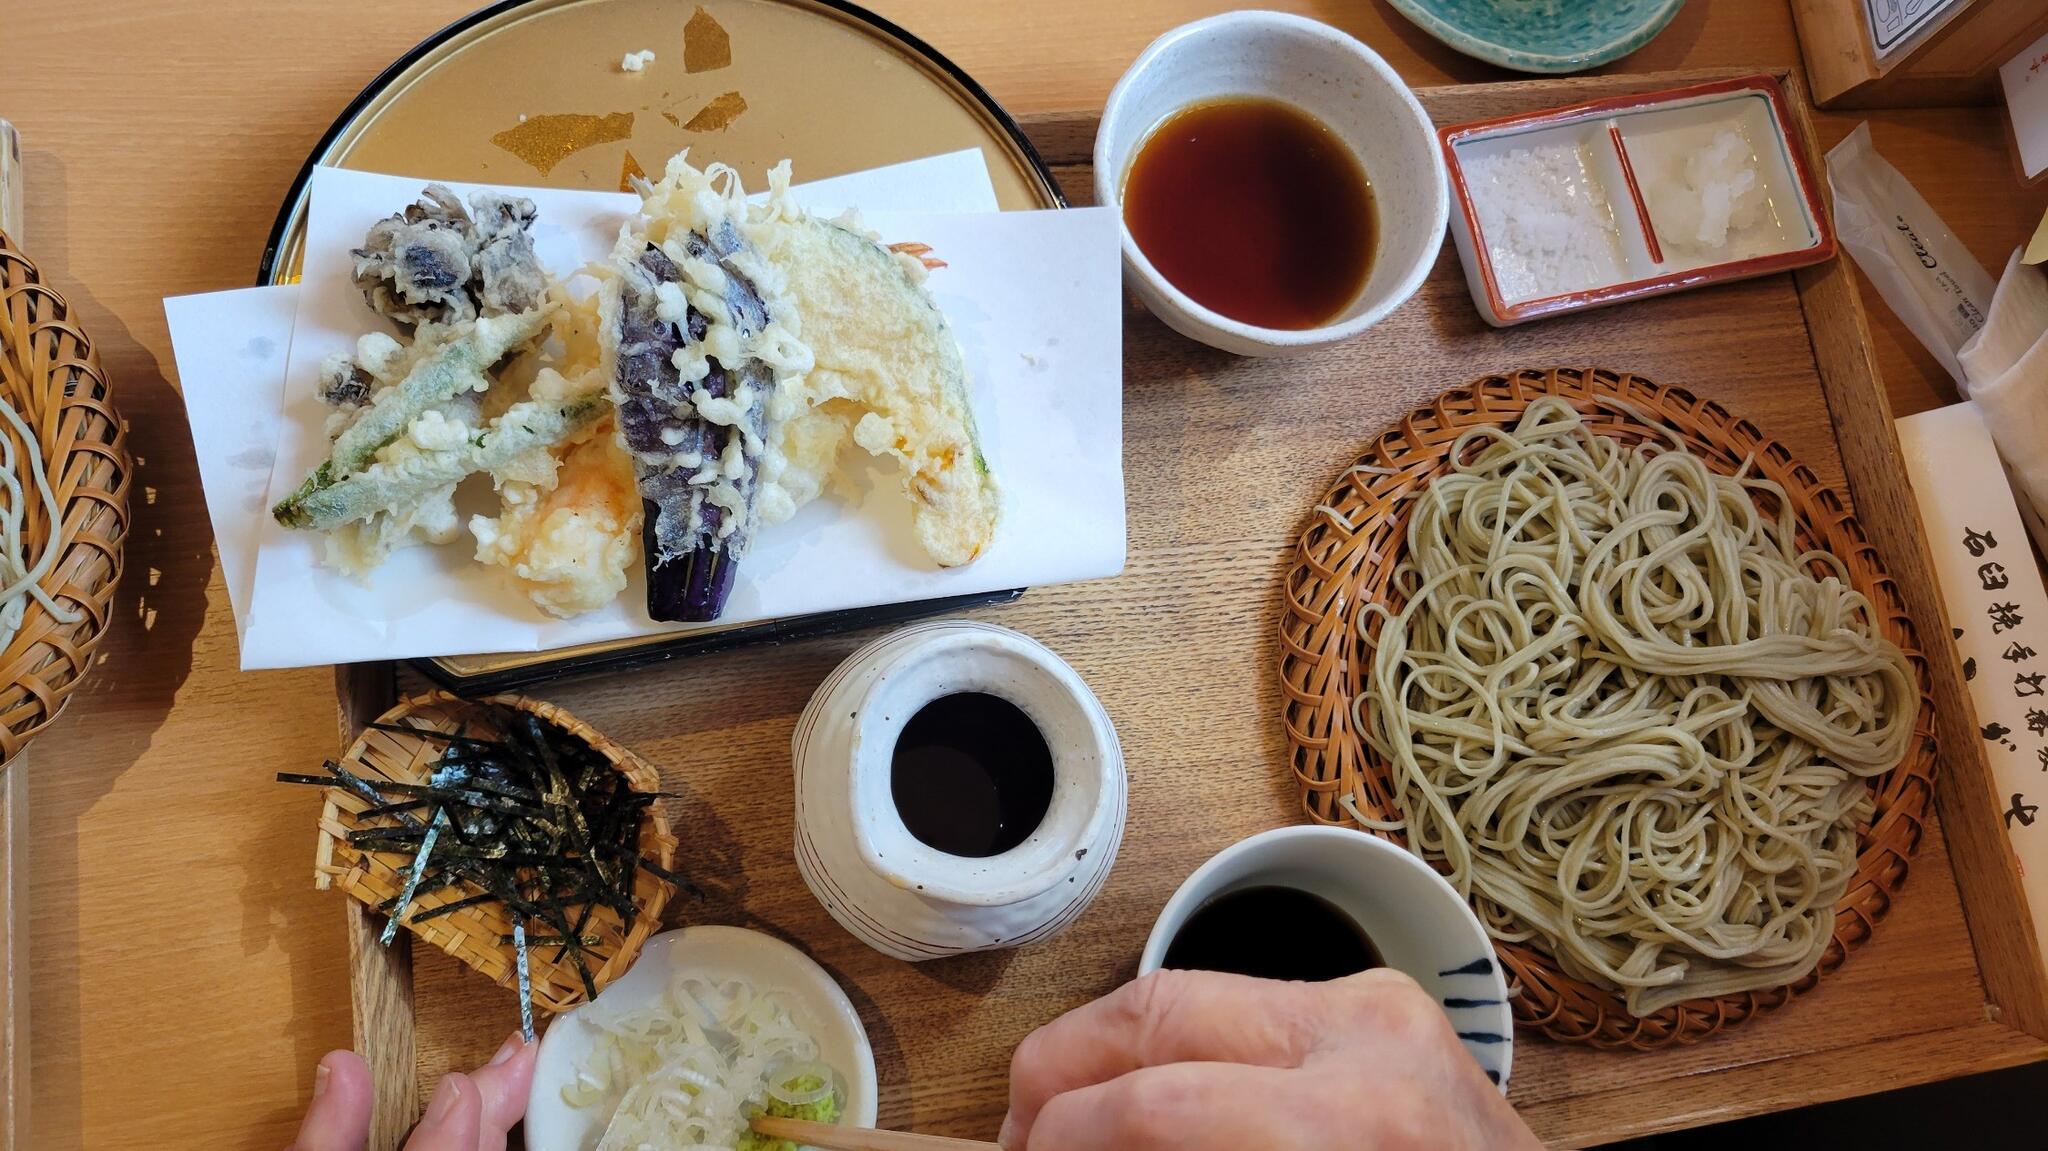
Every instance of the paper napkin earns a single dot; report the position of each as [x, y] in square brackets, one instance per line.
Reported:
[1996, 603]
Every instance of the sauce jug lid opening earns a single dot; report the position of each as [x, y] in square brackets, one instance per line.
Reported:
[1087, 765]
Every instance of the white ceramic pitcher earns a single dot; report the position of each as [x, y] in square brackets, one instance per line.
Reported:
[879, 881]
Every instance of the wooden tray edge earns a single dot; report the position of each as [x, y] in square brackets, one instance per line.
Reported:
[379, 978]
[14, 940]
[1980, 853]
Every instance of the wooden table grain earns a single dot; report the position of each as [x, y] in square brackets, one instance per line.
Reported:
[185, 977]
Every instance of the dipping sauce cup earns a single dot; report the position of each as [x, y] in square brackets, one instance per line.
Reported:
[1333, 78]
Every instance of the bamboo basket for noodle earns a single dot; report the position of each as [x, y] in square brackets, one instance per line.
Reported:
[64, 476]
[1346, 562]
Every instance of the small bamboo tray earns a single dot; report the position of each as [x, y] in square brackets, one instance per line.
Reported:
[1339, 570]
[476, 935]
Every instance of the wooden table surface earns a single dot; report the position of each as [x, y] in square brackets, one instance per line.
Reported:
[185, 977]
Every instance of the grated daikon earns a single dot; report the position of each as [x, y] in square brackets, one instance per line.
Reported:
[1703, 188]
[689, 1070]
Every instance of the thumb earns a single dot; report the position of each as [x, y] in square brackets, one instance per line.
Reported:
[454, 1120]
[503, 1084]
[338, 1119]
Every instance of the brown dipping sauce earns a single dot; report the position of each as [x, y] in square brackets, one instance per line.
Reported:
[1255, 209]
[1272, 932]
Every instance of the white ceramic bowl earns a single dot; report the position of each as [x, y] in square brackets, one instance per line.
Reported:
[1341, 82]
[719, 953]
[1419, 922]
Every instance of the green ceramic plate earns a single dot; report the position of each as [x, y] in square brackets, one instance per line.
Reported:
[1542, 35]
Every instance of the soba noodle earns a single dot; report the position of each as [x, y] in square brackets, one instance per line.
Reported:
[1626, 714]
[25, 494]
[21, 575]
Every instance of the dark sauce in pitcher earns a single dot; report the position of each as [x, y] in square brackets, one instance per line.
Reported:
[971, 775]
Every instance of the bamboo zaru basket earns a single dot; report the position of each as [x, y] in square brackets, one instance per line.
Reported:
[51, 377]
[1338, 569]
[477, 935]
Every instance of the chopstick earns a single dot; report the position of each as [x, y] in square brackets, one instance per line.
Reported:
[833, 1137]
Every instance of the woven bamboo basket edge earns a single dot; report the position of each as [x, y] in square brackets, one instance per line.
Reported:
[1322, 592]
[84, 449]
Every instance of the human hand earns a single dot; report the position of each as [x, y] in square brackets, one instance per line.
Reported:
[1199, 1061]
[468, 1112]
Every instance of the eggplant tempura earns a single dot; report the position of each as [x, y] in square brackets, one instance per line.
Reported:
[706, 366]
[751, 343]
[711, 387]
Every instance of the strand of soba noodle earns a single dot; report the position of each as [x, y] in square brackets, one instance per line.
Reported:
[21, 575]
[1625, 713]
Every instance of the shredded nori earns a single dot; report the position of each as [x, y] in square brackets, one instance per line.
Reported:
[525, 980]
[440, 909]
[387, 808]
[412, 879]
[533, 818]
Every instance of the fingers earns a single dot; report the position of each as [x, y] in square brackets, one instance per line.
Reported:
[1181, 1107]
[1166, 1017]
[338, 1118]
[504, 1083]
[454, 1120]
[467, 1113]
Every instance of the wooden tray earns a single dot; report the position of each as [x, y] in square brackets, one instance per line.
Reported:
[1224, 457]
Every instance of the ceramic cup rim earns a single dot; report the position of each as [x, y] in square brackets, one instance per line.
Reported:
[1109, 169]
[1200, 886]
[1193, 890]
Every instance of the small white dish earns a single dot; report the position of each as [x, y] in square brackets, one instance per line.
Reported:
[1332, 77]
[892, 891]
[1418, 921]
[1630, 149]
[719, 953]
